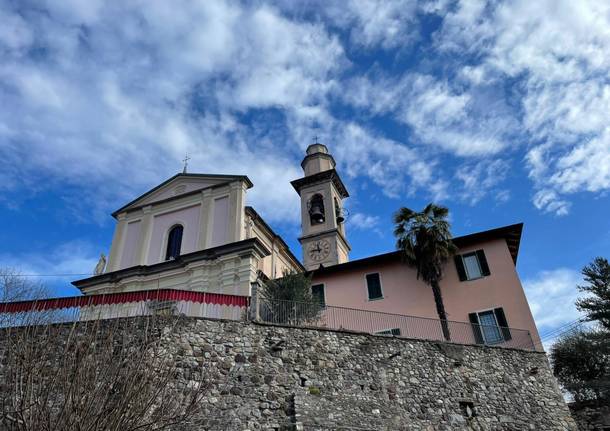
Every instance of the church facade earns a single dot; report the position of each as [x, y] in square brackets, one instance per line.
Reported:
[195, 232]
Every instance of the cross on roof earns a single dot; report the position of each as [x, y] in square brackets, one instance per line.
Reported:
[315, 139]
[185, 160]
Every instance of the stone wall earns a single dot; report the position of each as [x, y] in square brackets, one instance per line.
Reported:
[278, 378]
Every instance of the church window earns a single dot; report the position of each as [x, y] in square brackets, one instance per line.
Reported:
[174, 242]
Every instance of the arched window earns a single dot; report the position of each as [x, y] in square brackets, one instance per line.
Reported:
[339, 212]
[174, 242]
[316, 209]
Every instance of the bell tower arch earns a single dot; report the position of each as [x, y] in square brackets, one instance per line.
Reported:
[322, 214]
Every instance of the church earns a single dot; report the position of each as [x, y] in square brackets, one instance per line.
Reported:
[195, 232]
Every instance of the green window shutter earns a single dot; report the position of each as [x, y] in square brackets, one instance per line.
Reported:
[459, 264]
[373, 284]
[317, 291]
[502, 323]
[476, 328]
[483, 263]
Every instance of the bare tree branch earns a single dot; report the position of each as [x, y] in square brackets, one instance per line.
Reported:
[116, 374]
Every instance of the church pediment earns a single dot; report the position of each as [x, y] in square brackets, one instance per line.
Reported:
[180, 184]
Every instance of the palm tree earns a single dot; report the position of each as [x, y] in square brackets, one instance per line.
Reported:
[425, 241]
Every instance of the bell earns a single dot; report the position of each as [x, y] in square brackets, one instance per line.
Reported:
[340, 218]
[316, 213]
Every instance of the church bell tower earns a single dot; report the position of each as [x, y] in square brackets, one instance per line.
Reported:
[322, 214]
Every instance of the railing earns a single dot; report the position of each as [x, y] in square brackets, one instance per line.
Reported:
[128, 304]
[233, 307]
[373, 322]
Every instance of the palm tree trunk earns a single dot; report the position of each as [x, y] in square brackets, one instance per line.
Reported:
[440, 309]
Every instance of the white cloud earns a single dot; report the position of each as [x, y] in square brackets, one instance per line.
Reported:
[378, 94]
[585, 167]
[74, 257]
[373, 23]
[455, 121]
[117, 96]
[283, 63]
[14, 32]
[395, 167]
[108, 97]
[467, 122]
[363, 221]
[548, 201]
[482, 178]
[551, 295]
[558, 50]
[476, 75]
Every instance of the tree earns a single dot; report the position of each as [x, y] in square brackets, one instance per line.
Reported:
[581, 359]
[290, 300]
[597, 306]
[15, 287]
[425, 241]
[116, 374]
[581, 363]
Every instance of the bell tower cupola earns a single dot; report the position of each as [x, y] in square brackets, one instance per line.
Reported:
[322, 214]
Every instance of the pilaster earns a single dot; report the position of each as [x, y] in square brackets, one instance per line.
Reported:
[116, 247]
[236, 210]
[145, 236]
[205, 216]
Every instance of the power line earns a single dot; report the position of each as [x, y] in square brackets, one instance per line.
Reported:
[48, 275]
[561, 327]
[553, 333]
[558, 332]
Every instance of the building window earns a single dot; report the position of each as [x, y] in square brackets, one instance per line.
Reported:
[174, 243]
[490, 326]
[394, 331]
[373, 286]
[471, 266]
[317, 290]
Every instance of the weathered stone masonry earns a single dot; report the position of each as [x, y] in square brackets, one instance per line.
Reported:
[268, 377]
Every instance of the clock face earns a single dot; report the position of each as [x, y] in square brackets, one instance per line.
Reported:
[319, 250]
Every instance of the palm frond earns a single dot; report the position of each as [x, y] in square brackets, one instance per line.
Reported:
[425, 239]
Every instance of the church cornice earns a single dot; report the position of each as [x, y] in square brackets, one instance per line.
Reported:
[251, 245]
[317, 156]
[330, 174]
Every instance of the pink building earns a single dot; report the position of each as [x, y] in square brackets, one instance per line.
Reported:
[480, 287]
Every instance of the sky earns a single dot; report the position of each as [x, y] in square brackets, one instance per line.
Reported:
[498, 110]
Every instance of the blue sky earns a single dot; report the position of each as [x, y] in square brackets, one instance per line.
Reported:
[498, 110]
